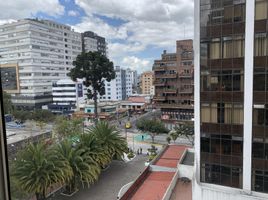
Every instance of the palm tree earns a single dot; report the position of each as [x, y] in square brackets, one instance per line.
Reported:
[37, 168]
[93, 147]
[84, 168]
[110, 140]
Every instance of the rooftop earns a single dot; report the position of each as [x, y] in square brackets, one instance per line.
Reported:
[154, 186]
[171, 156]
[161, 178]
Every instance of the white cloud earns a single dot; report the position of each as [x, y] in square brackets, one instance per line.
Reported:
[6, 21]
[17, 9]
[150, 22]
[73, 13]
[136, 63]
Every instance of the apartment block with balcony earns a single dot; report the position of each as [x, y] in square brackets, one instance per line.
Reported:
[44, 51]
[174, 83]
[147, 79]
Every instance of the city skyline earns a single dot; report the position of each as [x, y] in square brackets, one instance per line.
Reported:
[136, 35]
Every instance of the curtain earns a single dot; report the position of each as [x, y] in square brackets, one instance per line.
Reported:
[215, 50]
[261, 10]
[228, 49]
[205, 113]
[228, 113]
[260, 45]
[214, 116]
[238, 114]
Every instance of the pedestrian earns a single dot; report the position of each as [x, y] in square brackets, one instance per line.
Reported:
[140, 150]
[142, 137]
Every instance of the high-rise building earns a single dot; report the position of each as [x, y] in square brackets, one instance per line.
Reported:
[231, 115]
[147, 79]
[119, 88]
[174, 84]
[134, 77]
[43, 50]
[94, 42]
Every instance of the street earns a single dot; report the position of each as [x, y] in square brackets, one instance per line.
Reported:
[110, 181]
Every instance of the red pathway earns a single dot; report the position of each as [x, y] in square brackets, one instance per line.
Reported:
[154, 186]
[171, 156]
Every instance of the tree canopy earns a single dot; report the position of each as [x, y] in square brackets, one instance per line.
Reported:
[152, 126]
[185, 130]
[94, 68]
[7, 103]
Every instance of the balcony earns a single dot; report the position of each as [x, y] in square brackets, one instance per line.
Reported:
[159, 68]
[166, 75]
[159, 83]
[190, 97]
[186, 91]
[174, 105]
[184, 75]
[170, 91]
[159, 98]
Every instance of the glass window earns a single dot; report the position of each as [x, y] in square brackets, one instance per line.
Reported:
[260, 48]
[215, 49]
[257, 150]
[261, 9]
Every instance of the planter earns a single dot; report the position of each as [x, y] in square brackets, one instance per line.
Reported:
[64, 193]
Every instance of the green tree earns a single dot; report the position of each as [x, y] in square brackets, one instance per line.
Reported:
[112, 143]
[8, 108]
[94, 68]
[38, 168]
[152, 126]
[84, 168]
[94, 149]
[185, 130]
[43, 116]
[22, 115]
[68, 127]
[41, 125]
[173, 135]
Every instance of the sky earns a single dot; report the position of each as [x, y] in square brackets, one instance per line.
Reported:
[137, 31]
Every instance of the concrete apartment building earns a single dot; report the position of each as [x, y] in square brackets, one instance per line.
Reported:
[174, 83]
[231, 113]
[43, 52]
[121, 87]
[93, 42]
[147, 79]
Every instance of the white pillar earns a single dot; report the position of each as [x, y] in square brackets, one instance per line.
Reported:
[197, 87]
[248, 94]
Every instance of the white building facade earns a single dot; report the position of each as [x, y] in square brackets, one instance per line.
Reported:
[231, 149]
[67, 96]
[44, 51]
[121, 87]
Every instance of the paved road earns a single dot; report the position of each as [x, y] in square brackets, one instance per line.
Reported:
[110, 181]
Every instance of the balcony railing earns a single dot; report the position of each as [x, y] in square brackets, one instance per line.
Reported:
[174, 105]
[159, 83]
[186, 91]
[166, 75]
[159, 98]
[170, 90]
[184, 75]
[159, 68]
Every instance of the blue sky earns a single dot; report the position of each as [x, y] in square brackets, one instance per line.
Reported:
[137, 31]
